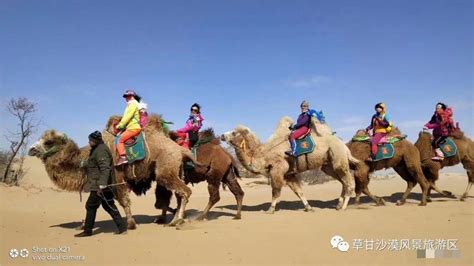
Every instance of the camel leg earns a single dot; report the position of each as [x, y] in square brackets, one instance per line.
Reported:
[470, 174]
[361, 178]
[343, 175]
[183, 193]
[277, 184]
[379, 201]
[433, 186]
[295, 185]
[235, 188]
[214, 197]
[348, 186]
[410, 186]
[124, 200]
[413, 175]
[405, 174]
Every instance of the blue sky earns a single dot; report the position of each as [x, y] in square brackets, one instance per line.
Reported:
[245, 62]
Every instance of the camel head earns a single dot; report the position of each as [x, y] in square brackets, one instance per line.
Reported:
[239, 136]
[112, 123]
[51, 142]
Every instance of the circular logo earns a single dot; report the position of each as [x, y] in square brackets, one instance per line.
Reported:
[14, 253]
[24, 253]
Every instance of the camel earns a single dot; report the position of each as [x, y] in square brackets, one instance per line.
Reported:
[465, 155]
[406, 162]
[269, 159]
[62, 159]
[222, 169]
[163, 164]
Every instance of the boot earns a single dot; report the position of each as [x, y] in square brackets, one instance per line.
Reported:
[122, 160]
[83, 234]
[439, 155]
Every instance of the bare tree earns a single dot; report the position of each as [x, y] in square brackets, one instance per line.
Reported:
[23, 110]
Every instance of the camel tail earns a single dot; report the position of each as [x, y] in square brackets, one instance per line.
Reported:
[236, 171]
[353, 162]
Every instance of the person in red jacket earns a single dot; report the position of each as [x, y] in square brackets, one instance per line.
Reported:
[442, 124]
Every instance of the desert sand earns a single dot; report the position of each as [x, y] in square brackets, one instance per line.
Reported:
[42, 219]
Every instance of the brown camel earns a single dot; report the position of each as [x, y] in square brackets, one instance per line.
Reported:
[62, 159]
[221, 169]
[269, 159]
[164, 163]
[406, 162]
[465, 155]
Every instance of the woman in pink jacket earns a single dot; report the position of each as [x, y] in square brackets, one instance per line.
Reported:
[188, 135]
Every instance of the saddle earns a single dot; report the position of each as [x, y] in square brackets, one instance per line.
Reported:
[305, 144]
[385, 149]
[135, 148]
[448, 147]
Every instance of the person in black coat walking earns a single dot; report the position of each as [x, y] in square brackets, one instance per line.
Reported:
[100, 174]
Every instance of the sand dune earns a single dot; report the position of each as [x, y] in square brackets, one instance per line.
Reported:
[41, 219]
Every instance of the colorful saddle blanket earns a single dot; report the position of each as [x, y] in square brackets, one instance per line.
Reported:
[385, 148]
[135, 149]
[448, 147]
[384, 151]
[305, 145]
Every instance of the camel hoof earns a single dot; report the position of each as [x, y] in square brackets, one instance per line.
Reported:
[271, 210]
[131, 225]
[422, 204]
[339, 207]
[176, 222]
[201, 217]
[380, 202]
[308, 209]
[400, 202]
[237, 217]
[463, 198]
[447, 193]
[429, 200]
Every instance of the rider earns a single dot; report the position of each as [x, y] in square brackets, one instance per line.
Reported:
[129, 124]
[300, 129]
[189, 133]
[381, 124]
[442, 123]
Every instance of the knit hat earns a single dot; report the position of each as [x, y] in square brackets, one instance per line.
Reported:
[95, 136]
